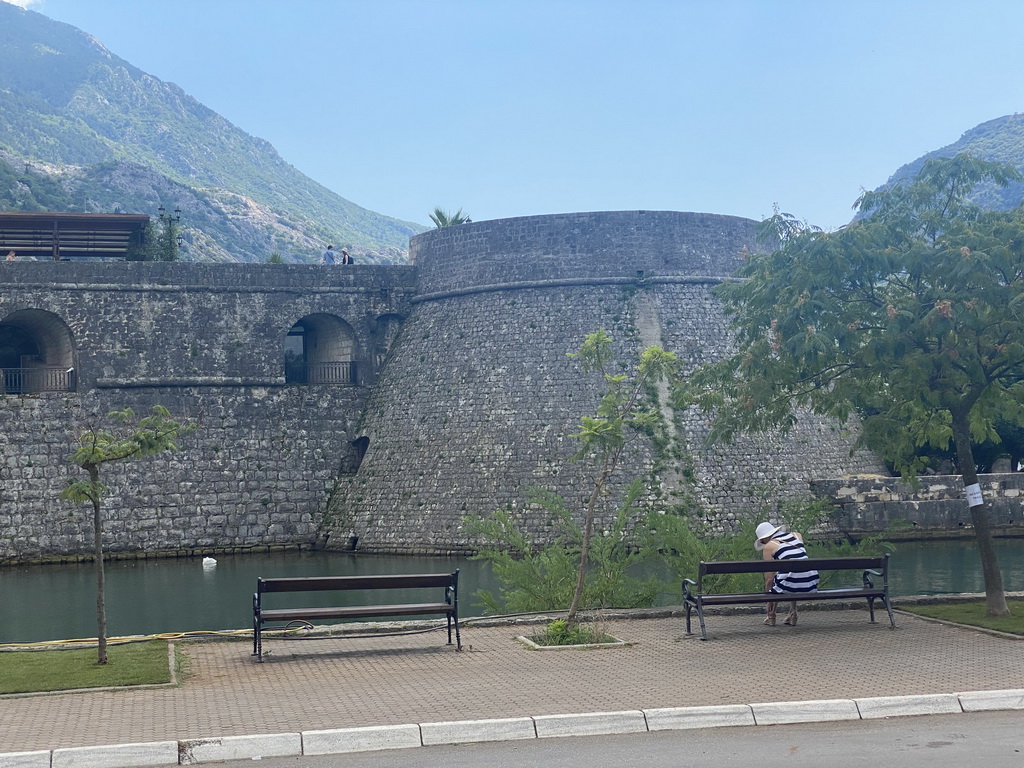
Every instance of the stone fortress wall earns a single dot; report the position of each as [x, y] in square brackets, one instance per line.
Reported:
[479, 398]
[462, 394]
[208, 342]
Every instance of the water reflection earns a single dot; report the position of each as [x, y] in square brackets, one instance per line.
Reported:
[180, 594]
[177, 595]
[942, 567]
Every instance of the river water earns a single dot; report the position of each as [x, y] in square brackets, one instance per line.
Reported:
[49, 602]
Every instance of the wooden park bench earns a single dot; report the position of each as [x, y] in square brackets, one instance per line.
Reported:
[447, 606]
[695, 596]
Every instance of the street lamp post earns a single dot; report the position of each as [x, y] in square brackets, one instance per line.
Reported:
[172, 239]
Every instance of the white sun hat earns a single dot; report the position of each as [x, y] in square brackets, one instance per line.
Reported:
[765, 531]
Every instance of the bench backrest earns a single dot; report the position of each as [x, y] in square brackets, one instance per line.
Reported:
[810, 564]
[342, 583]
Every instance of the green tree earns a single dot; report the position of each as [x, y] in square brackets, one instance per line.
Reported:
[443, 218]
[158, 243]
[912, 317]
[544, 578]
[97, 447]
[145, 249]
[625, 409]
[578, 568]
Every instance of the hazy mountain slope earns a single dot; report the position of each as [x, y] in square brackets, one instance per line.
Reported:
[1002, 140]
[67, 101]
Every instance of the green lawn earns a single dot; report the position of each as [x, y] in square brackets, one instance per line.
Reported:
[974, 613]
[64, 670]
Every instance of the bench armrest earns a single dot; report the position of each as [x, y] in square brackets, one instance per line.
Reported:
[867, 577]
[687, 592]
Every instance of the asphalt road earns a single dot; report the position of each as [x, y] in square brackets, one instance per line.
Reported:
[989, 739]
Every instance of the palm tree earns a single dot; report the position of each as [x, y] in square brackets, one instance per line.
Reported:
[443, 218]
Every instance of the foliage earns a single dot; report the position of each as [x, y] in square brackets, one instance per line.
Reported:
[974, 614]
[912, 317]
[135, 438]
[682, 545]
[443, 218]
[623, 411]
[275, 258]
[540, 579]
[561, 632]
[70, 669]
[157, 245]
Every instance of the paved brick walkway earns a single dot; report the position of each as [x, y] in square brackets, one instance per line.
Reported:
[338, 683]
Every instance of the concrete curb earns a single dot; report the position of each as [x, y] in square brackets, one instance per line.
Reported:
[805, 711]
[368, 739]
[902, 706]
[590, 724]
[195, 751]
[468, 731]
[680, 718]
[145, 755]
[988, 701]
[26, 759]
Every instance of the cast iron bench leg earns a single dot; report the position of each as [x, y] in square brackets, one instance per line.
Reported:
[700, 615]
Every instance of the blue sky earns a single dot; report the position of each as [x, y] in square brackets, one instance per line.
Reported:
[521, 107]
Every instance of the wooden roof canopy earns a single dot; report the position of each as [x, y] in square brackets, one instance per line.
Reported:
[70, 235]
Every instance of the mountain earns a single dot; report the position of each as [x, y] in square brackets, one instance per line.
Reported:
[84, 130]
[1000, 140]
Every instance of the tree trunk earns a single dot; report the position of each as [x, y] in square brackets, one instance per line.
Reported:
[995, 596]
[101, 602]
[588, 535]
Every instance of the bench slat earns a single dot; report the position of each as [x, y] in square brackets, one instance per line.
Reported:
[353, 611]
[765, 597]
[810, 564]
[345, 583]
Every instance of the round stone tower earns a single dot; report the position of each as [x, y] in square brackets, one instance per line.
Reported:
[478, 398]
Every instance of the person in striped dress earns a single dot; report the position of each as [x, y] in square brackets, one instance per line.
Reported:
[774, 543]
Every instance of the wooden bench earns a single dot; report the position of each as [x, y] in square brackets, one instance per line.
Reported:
[448, 606]
[695, 596]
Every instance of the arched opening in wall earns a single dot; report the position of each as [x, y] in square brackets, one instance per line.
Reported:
[384, 335]
[37, 353]
[320, 349]
[361, 445]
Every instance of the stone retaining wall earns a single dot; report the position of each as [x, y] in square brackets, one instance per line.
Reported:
[936, 509]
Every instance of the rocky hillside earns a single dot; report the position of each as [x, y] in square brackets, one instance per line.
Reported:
[83, 130]
[1001, 140]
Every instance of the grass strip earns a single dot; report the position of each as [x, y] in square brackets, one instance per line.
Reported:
[65, 669]
[974, 613]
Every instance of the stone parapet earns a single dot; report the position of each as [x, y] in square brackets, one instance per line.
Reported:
[936, 508]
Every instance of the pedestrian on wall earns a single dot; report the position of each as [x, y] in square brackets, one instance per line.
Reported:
[345, 258]
[328, 257]
[774, 543]
[11, 256]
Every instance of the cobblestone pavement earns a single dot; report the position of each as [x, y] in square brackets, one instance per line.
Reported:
[345, 682]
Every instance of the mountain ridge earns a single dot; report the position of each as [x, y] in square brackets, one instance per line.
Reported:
[70, 109]
[1001, 140]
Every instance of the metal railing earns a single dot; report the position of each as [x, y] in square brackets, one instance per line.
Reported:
[24, 381]
[340, 373]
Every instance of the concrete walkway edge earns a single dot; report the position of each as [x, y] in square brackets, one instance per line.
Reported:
[373, 738]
